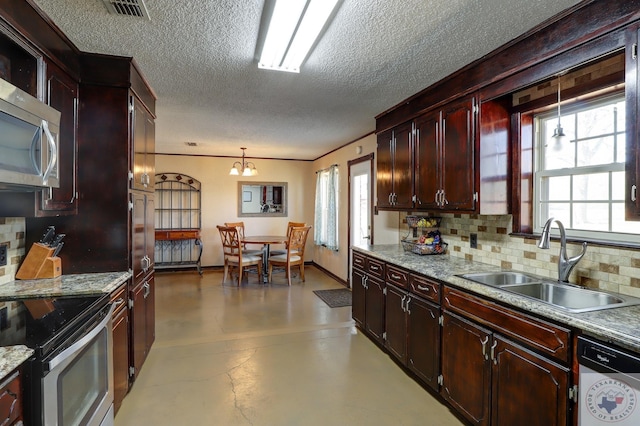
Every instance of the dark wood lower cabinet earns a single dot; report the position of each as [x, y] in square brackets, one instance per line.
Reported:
[396, 322]
[423, 340]
[120, 347]
[142, 322]
[492, 380]
[374, 302]
[466, 372]
[527, 386]
[358, 296]
[11, 399]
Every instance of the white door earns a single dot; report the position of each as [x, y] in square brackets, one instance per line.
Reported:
[360, 203]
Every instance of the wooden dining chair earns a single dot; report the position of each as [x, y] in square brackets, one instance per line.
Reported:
[240, 227]
[234, 255]
[290, 225]
[294, 255]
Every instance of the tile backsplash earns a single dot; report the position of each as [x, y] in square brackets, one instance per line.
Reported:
[12, 230]
[608, 268]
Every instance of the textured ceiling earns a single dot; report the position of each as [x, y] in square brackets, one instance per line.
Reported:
[199, 57]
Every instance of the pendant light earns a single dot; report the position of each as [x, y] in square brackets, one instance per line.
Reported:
[246, 168]
[558, 134]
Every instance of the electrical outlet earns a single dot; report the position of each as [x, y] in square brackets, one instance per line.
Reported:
[473, 241]
[4, 324]
[3, 255]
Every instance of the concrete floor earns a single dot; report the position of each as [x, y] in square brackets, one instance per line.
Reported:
[267, 355]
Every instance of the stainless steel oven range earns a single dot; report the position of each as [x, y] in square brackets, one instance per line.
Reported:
[69, 379]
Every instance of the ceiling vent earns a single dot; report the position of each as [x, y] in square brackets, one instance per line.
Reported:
[135, 8]
[191, 143]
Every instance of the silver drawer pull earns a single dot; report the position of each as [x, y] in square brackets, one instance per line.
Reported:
[423, 288]
[374, 267]
[395, 277]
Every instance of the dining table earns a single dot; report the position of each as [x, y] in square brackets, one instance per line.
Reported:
[266, 241]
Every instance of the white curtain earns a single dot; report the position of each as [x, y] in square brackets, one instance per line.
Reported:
[326, 214]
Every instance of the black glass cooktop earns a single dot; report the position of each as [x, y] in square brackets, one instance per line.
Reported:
[39, 323]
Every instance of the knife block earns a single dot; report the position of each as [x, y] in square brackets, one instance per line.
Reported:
[40, 264]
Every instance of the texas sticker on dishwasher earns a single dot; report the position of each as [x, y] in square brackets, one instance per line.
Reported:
[609, 399]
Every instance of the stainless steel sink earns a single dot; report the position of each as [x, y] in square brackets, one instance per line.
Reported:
[501, 278]
[574, 299]
[566, 296]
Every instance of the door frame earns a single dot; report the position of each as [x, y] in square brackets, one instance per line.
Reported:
[369, 158]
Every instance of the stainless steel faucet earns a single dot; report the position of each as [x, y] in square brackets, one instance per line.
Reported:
[565, 264]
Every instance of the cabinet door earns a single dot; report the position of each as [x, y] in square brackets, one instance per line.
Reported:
[62, 94]
[458, 155]
[384, 169]
[120, 354]
[138, 317]
[403, 166]
[138, 232]
[632, 95]
[143, 141]
[358, 297]
[149, 230]
[374, 318]
[466, 370]
[423, 340]
[526, 386]
[427, 160]
[150, 311]
[396, 322]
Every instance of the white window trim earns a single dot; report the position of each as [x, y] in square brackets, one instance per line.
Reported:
[602, 236]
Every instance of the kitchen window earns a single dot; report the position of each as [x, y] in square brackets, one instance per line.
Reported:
[581, 181]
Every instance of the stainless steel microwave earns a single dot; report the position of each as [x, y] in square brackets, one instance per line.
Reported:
[28, 141]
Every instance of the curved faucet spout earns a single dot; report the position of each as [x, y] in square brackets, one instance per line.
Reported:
[565, 263]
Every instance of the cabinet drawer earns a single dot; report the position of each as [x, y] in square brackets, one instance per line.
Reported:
[10, 399]
[397, 276]
[537, 334]
[375, 268]
[358, 261]
[421, 286]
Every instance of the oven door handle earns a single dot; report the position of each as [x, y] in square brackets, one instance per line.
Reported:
[62, 356]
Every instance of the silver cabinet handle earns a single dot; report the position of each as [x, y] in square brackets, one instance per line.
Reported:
[444, 198]
[493, 352]
[484, 347]
[633, 192]
[423, 288]
[119, 302]
[408, 311]
[402, 303]
[395, 277]
[437, 201]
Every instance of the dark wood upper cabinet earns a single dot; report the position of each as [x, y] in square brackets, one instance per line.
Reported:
[434, 165]
[632, 85]
[62, 94]
[395, 168]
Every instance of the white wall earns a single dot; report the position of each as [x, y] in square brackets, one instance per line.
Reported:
[220, 196]
[385, 224]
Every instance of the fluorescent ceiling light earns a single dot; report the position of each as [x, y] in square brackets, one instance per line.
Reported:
[293, 29]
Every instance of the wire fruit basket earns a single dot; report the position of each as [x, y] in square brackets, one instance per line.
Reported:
[416, 247]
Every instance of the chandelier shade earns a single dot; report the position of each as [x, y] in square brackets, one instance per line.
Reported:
[244, 168]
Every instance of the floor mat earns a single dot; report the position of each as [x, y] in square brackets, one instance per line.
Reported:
[335, 298]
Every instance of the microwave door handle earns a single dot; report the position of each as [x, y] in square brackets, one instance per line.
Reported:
[54, 152]
[34, 161]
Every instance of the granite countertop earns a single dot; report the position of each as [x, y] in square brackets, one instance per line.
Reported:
[64, 285]
[11, 357]
[618, 325]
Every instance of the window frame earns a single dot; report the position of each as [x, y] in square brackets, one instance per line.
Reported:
[539, 206]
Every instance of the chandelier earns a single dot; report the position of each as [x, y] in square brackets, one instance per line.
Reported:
[246, 168]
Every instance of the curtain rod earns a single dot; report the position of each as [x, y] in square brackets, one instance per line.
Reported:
[323, 170]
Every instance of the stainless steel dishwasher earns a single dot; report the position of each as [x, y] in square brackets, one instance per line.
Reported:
[609, 384]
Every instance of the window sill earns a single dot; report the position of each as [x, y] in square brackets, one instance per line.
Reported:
[593, 242]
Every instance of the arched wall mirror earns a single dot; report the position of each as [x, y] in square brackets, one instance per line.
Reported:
[262, 199]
